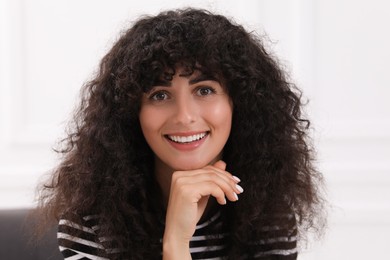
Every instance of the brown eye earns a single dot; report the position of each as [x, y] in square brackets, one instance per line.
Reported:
[205, 91]
[159, 96]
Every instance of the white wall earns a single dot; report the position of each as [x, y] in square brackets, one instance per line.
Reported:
[351, 69]
[336, 50]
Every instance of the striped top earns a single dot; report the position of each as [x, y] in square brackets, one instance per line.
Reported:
[205, 244]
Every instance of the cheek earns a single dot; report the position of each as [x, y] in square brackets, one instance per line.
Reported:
[220, 115]
[149, 121]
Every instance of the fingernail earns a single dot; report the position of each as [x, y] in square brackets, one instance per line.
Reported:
[239, 188]
[236, 178]
[235, 195]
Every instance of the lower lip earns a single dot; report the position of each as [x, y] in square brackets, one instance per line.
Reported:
[187, 146]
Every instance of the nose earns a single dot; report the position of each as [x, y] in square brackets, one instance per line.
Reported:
[185, 110]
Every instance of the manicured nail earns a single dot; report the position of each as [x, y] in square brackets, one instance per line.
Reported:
[235, 195]
[239, 188]
[236, 178]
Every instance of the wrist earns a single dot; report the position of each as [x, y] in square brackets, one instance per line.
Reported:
[174, 249]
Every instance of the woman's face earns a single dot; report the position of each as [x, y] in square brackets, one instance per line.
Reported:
[186, 121]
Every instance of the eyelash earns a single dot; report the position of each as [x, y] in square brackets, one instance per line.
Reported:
[212, 90]
[154, 95]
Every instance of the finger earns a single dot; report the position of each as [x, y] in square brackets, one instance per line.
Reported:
[220, 166]
[228, 186]
[211, 188]
[209, 173]
[229, 178]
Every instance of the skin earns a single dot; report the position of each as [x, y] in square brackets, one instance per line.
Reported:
[188, 172]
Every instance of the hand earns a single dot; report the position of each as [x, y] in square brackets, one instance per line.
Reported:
[189, 194]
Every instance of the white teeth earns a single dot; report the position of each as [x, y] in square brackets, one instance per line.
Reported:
[186, 139]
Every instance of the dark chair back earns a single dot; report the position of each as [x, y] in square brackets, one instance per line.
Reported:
[17, 242]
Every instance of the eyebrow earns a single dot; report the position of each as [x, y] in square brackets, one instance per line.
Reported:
[199, 78]
[203, 77]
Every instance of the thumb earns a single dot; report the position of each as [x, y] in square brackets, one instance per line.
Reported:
[220, 165]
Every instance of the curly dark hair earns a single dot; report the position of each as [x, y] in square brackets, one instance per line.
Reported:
[107, 166]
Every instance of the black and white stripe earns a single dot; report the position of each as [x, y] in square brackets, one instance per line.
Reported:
[207, 243]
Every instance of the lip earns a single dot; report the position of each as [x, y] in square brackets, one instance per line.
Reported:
[187, 146]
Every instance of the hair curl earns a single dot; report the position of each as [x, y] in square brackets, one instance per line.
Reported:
[107, 169]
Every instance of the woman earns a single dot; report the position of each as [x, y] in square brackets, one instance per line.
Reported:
[186, 111]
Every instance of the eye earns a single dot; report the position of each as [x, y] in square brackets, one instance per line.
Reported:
[159, 96]
[205, 91]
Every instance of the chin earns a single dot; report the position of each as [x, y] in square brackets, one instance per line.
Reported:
[188, 167]
[191, 165]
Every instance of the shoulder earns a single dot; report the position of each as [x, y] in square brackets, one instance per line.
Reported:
[78, 236]
[277, 241]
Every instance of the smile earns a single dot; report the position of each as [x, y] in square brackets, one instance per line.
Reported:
[187, 139]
